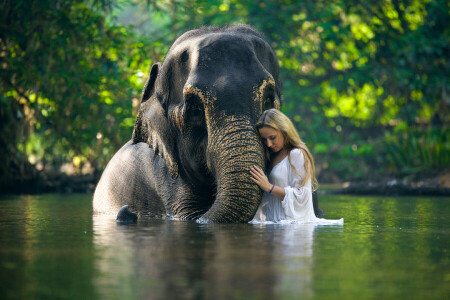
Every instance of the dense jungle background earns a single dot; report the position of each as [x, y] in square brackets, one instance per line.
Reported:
[366, 82]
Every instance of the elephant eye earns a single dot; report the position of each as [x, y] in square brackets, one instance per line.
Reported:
[194, 111]
[269, 96]
[267, 104]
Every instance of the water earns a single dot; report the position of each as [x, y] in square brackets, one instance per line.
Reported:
[389, 248]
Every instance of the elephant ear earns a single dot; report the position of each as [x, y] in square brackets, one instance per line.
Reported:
[152, 126]
[149, 87]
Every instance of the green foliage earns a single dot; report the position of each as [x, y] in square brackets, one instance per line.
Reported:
[70, 76]
[416, 151]
[72, 73]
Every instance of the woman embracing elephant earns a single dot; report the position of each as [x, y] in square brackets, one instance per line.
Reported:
[194, 139]
[292, 176]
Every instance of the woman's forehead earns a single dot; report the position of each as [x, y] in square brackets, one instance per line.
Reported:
[265, 132]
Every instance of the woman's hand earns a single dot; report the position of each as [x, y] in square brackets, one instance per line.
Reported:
[258, 177]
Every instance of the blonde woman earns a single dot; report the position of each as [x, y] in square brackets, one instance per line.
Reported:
[288, 190]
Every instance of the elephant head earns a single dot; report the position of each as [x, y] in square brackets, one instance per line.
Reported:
[198, 112]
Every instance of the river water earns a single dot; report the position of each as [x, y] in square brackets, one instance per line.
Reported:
[51, 247]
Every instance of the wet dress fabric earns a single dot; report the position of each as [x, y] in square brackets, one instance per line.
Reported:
[297, 206]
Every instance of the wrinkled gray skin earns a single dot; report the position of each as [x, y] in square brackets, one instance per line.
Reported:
[194, 139]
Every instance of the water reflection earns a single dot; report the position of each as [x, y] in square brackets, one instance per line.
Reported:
[169, 259]
[45, 248]
[294, 255]
[52, 247]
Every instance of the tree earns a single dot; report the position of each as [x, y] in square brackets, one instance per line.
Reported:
[351, 70]
[356, 76]
[69, 82]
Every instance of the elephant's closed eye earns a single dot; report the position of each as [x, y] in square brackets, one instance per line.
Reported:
[267, 104]
[268, 98]
[194, 111]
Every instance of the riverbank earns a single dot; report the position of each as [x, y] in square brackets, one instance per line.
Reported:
[434, 186]
[62, 183]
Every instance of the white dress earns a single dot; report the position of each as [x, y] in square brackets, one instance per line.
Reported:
[297, 206]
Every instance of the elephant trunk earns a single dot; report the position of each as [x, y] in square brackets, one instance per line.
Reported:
[233, 149]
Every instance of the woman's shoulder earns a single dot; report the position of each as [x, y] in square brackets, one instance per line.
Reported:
[296, 153]
[296, 156]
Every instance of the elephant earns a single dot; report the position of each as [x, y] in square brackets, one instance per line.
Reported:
[194, 141]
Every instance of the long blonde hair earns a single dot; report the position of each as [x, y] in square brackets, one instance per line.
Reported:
[278, 121]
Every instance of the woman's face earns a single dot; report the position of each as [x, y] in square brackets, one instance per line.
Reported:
[273, 139]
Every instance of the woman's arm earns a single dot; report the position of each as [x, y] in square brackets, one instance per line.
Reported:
[258, 177]
[297, 203]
